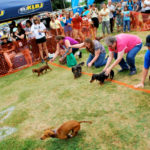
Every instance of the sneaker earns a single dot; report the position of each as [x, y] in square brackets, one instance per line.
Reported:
[123, 70]
[132, 72]
[42, 61]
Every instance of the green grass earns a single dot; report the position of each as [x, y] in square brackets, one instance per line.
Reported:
[120, 115]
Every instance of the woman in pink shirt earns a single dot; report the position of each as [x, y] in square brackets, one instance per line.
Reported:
[118, 46]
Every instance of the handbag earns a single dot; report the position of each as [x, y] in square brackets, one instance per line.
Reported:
[71, 60]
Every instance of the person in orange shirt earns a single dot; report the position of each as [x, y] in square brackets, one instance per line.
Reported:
[76, 23]
[87, 26]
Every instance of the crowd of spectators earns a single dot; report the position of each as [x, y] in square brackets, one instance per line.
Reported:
[78, 26]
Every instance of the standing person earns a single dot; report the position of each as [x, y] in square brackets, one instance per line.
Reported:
[55, 25]
[147, 6]
[38, 29]
[119, 18]
[86, 26]
[96, 50]
[86, 11]
[126, 19]
[119, 45]
[28, 30]
[62, 22]
[130, 5]
[111, 11]
[123, 4]
[47, 19]
[142, 6]
[8, 50]
[146, 64]
[105, 19]
[21, 43]
[67, 26]
[77, 22]
[64, 43]
[135, 5]
[94, 16]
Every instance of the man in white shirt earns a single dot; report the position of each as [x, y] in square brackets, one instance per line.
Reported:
[111, 16]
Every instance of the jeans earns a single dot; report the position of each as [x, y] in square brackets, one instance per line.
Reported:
[101, 61]
[106, 24]
[126, 23]
[130, 58]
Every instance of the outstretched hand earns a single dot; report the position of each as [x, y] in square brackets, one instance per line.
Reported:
[139, 85]
[107, 72]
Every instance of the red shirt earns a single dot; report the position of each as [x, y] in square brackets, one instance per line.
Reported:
[77, 23]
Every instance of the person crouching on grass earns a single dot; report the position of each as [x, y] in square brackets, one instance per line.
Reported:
[146, 64]
[96, 50]
[119, 45]
[63, 45]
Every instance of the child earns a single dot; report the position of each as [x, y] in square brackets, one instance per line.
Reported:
[119, 17]
[126, 19]
[146, 64]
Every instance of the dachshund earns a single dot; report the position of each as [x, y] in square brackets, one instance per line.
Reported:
[102, 77]
[41, 69]
[77, 70]
[67, 130]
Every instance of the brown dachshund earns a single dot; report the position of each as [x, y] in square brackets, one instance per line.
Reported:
[63, 131]
[41, 69]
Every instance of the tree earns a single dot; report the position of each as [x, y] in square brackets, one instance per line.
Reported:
[59, 4]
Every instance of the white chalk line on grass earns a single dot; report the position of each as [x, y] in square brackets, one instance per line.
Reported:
[6, 131]
[6, 113]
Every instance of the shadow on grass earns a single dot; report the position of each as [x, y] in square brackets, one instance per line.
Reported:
[75, 143]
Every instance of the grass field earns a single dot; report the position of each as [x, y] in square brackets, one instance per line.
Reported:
[120, 116]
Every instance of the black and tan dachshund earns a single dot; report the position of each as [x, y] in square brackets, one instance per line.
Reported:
[102, 77]
[77, 70]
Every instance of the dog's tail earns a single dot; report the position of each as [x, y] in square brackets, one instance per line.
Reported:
[81, 64]
[85, 122]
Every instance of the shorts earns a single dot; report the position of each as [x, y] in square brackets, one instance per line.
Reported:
[41, 40]
[67, 28]
[95, 22]
[119, 21]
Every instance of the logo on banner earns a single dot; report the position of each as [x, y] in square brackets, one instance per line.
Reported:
[2, 12]
[30, 8]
